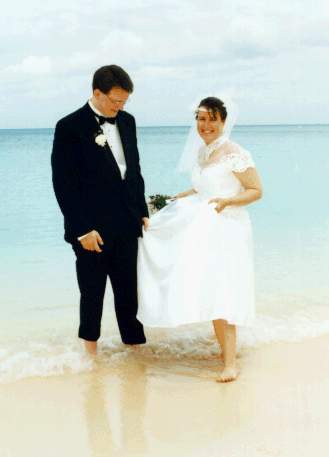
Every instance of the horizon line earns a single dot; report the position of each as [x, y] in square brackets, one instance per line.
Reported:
[183, 125]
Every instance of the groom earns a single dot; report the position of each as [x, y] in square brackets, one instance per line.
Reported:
[100, 190]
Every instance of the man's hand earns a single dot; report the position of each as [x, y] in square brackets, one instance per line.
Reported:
[221, 203]
[146, 222]
[91, 241]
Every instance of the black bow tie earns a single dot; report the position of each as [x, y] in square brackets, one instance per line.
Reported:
[103, 119]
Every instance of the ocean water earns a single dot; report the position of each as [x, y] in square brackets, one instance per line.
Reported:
[39, 295]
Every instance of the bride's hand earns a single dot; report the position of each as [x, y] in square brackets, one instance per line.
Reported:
[181, 195]
[221, 203]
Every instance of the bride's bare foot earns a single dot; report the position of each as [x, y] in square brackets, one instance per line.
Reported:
[228, 374]
[91, 347]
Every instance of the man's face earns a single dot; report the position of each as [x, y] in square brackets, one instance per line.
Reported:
[111, 103]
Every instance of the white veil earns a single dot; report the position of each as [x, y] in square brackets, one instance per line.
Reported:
[194, 142]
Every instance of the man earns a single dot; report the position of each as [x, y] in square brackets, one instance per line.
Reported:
[100, 190]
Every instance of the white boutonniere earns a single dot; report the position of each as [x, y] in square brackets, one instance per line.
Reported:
[100, 139]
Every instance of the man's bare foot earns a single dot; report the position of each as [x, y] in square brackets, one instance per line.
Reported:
[91, 347]
[228, 374]
[134, 347]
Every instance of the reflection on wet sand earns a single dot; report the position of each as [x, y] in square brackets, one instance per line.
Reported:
[114, 408]
[141, 404]
[145, 405]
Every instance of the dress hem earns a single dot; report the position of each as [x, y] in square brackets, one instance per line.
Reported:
[177, 324]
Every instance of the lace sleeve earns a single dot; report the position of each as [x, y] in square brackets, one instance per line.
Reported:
[240, 159]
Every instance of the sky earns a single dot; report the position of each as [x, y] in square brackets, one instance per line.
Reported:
[273, 57]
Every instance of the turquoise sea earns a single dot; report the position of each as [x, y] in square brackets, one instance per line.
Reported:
[39, 295]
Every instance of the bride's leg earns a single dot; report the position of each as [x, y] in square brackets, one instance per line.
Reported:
[219, 327]
[228, 332]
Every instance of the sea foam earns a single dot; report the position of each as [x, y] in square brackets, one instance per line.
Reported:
[63, 354]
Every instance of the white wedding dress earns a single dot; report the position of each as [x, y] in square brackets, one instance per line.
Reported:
[195, 264]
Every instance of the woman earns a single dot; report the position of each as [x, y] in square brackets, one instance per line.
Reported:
[195, 259]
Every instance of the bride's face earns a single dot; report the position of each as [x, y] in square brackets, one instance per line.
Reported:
[209, 128]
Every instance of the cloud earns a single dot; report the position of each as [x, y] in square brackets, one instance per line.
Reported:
[316, 33]
[251, 36]
[164, 71]
[31, 65]
[173, 50]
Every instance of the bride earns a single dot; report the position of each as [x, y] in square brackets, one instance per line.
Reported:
[195, 259]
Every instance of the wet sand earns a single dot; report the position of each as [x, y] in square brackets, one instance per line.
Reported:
[146, 407]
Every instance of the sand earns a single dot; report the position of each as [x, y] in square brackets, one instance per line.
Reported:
[146, 407]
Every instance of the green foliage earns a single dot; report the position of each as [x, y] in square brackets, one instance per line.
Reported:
[158, 201]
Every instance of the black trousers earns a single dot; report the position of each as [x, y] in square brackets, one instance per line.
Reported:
[118, 260]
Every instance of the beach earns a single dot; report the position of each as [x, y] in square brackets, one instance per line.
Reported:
[147, 406]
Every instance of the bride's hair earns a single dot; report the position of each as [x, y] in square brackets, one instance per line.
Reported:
[213, 105]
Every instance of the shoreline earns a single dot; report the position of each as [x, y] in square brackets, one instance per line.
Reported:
[46, 353]
[139, 406]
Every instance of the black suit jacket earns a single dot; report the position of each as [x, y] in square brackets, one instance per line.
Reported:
[87, 180]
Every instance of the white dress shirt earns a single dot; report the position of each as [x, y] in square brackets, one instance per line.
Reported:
[112, 135]
[113, 139]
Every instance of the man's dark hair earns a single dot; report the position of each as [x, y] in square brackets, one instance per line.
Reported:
[109, 76]
[214, 105]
